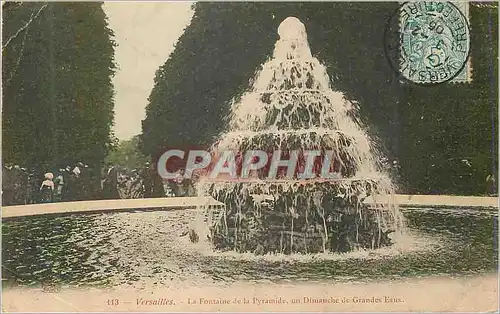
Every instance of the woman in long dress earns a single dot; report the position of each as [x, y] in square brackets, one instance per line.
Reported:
[47, 188]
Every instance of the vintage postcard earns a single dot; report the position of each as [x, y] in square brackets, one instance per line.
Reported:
[249, 156]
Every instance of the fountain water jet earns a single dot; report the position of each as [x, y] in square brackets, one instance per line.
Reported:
[291, 106]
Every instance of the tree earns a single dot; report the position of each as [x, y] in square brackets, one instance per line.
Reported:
[57, 90]
[127, 155]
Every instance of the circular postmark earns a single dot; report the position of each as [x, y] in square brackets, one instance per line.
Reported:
[428, 42]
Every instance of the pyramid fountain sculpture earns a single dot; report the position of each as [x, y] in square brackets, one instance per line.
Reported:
[291, 107]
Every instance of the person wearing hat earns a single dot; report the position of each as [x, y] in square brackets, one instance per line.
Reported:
[110, 184]
[158, 189]
[23, 189]
[59, 186]
[7, 185]
[32, 193]
[69, 184]
[19, 180]
[491, 185]
[136, 187]
[76, 183]
[47, 188]
[147, 180]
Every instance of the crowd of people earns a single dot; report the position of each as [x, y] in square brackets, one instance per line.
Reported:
[21, 186]
[80, 182]
[121, 182]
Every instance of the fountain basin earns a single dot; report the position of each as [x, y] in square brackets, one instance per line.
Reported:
[148, 249]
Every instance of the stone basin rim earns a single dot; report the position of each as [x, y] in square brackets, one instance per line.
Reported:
[183, 203]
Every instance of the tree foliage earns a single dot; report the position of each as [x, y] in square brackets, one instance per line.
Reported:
[435, 132]
[127, 154]
[57, 90]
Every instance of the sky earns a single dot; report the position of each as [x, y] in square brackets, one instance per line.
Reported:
[145, 33]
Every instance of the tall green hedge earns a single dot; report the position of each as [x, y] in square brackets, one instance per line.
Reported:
[57, 91]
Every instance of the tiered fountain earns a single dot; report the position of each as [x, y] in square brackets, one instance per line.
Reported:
[291, 106]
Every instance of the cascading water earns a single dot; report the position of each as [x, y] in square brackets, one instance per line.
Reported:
[291, 106]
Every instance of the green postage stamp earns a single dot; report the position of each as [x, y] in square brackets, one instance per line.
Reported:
[435, 42]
